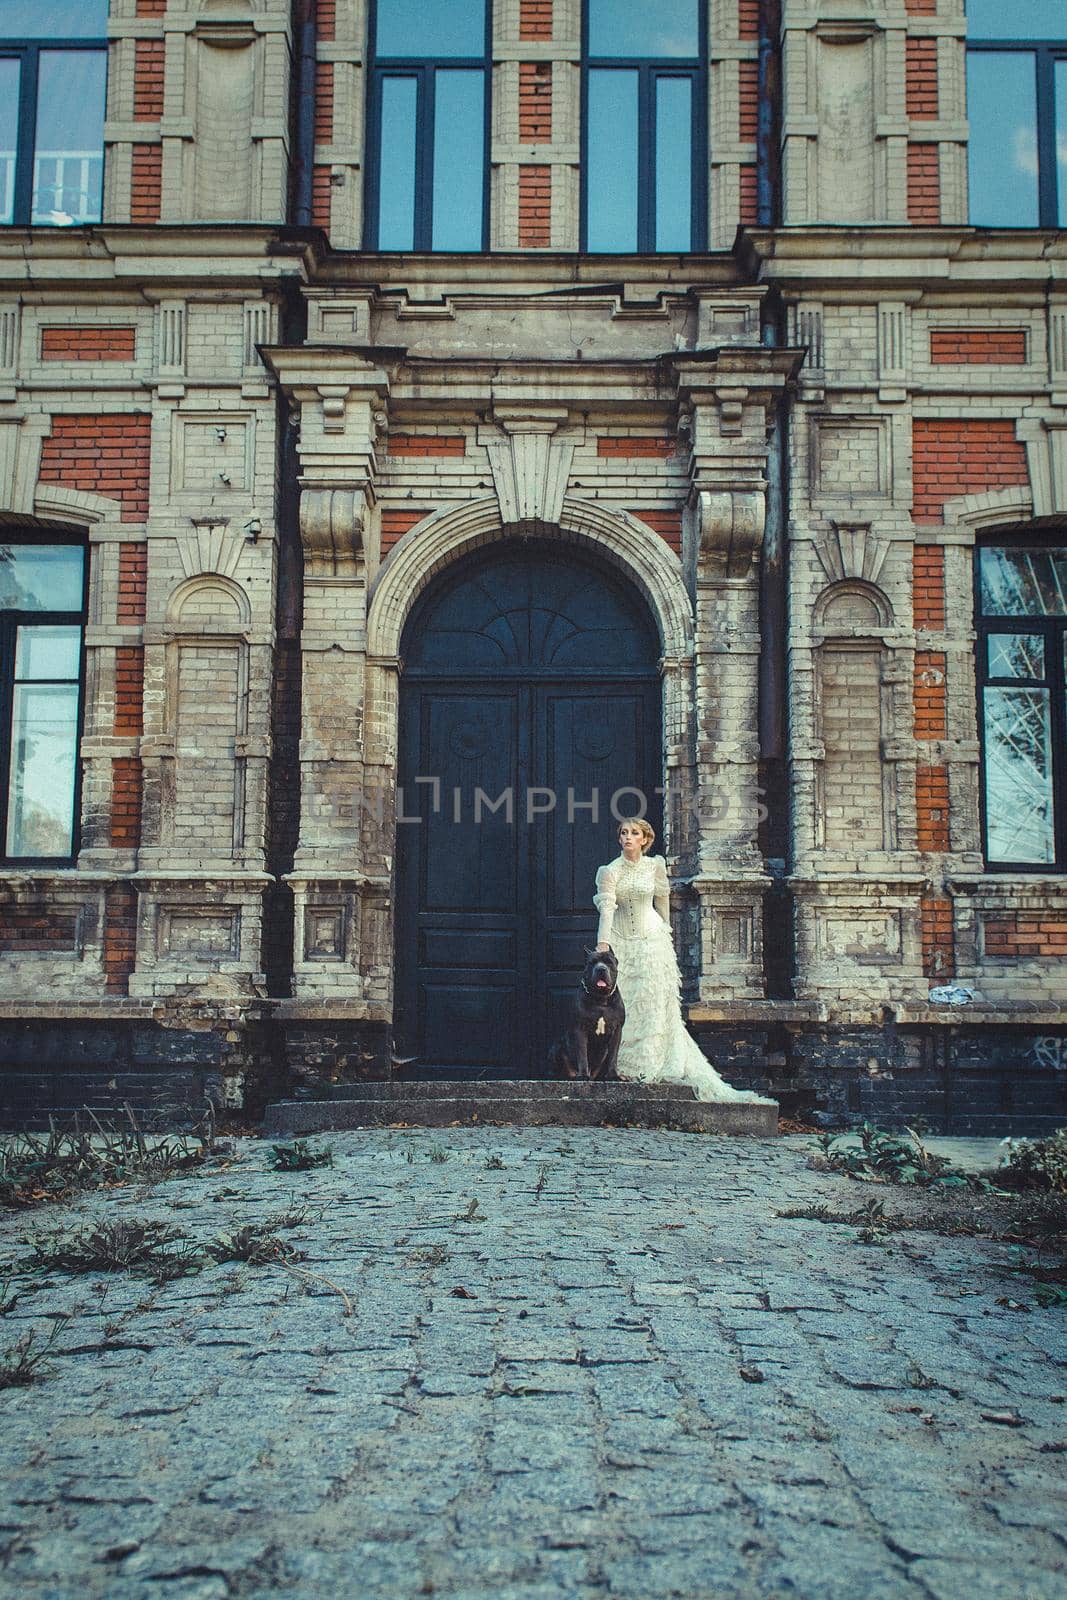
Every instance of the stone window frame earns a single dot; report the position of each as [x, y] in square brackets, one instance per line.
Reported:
[1054, 631]
[11, 622]
[652, 67]
[27, 51]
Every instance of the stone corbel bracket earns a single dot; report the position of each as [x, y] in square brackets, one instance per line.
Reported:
[342, 399]
[530, 467]
[331, 529]
[729, 531]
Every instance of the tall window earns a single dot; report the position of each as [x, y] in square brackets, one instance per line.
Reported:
[42, 604]
[428, 126]
[1022, 664]
[53, 68]
[1017, 112]
[643, 167]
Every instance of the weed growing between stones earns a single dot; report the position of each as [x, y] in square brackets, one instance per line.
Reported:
[153, 1248]
[889, 1158]
[299, 1157]
[1037, 1164]
[35, 1168]
[26, 1360]
[254, 1245]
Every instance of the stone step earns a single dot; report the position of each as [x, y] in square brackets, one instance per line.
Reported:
[525, 1104]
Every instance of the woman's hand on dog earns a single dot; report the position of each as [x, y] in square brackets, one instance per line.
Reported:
[602, 947]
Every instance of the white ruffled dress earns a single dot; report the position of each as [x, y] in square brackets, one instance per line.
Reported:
[633, 898]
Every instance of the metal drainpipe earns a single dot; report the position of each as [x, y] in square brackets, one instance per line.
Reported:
[304, 112]
[769, 100]
[776, 827]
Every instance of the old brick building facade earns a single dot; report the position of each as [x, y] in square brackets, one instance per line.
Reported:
[369, 320]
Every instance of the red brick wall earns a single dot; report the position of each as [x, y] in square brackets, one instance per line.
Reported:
[939, 951]
[324, 102]
[88, 344]
[931, 808]
[133, 582]
[922, 8]
[748, 89]
[748, 19]
[955, 456]
[126, 802]
[1019, 934]
[120, 937]
[928, 586]
[924, 184]
[749, 195]
[147, 183]
[535, 207]
[979, 347]
[148, 80]
[637, 447]
[320, 197]
[151, 8]
[129, 690]
[535, 101]
[931, 716]
[921, 80]
[326, 19]
[104, 455]
[427, 444]
[26, 928]
[668, 524]
[535, 19]
[396, 520]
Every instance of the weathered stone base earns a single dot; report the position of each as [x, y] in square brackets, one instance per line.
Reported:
[992, 1078]
[530, 1102]
[982, 1077]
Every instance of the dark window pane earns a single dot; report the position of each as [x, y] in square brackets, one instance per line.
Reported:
[40, 577]
[9, 126]
[1024, 583]
[40, 816]
[1002, 156]
[1016, 655]
[47, 653]
[53, 19]
[664, 28]
[1016, 19]
[674, 164]
[1018, 776]
[458, 161]
[68, 166]
[429, 29]
[396, 171]
[612, 161]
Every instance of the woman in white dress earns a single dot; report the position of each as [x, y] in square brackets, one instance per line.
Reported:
[633, 898]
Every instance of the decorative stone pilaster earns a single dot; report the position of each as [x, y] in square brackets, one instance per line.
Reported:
[339, 426]
[729, 405]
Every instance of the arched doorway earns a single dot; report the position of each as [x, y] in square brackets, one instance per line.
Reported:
[530, 699]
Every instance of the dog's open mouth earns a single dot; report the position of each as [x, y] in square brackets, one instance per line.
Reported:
[602, 983]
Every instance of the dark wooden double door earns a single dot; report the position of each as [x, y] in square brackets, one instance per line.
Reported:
[530, 694]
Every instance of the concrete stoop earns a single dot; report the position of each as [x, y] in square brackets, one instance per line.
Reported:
[530, 1102]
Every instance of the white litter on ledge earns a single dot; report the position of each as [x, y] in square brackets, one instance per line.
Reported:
[951, 994]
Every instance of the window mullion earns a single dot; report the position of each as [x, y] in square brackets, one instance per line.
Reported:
[27, 134]
[1047, 202]
[424, 142]
[646, 158]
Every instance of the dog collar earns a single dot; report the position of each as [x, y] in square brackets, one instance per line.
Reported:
[591, 992]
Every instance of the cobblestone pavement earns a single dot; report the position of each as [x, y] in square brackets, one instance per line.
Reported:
[552, 1393]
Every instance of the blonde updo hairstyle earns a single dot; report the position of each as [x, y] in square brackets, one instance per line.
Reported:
[648, 832]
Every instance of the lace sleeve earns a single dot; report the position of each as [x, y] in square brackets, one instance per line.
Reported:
[661, 893]
[604, 900]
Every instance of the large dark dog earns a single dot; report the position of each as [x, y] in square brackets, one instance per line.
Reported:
[590, 1046]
